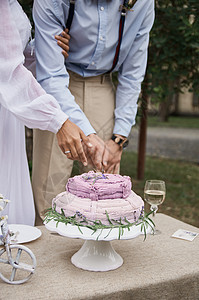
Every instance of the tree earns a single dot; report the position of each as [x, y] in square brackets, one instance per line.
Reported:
[174, 51]
[173, 60]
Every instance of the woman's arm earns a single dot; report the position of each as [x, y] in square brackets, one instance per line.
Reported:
[29, 52]
[63, 41]
[21, 94]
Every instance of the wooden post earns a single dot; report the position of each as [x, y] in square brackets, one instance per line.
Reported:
[142, 132]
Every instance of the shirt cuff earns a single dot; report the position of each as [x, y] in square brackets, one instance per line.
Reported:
[56, 123]
[86, 127]
[122, 128]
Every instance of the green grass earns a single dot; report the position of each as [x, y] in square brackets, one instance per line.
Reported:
[177, 122]
[182, 184]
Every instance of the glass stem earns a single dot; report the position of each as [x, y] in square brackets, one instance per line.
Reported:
[154, 209]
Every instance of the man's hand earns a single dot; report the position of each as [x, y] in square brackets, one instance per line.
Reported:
[63, 41]
[95, 154]
[70, 138]
[112, 156]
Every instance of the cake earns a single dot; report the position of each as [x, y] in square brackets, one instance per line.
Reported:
[99, 197]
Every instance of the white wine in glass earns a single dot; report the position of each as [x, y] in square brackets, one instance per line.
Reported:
[154, 194]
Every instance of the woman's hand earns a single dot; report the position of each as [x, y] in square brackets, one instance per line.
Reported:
[70, 138]
[63, 42]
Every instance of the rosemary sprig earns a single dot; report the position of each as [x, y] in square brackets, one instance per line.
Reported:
[81, 221]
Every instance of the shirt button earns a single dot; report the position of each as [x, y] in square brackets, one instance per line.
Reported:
[101, 38]
[101, 8]
[92, 63]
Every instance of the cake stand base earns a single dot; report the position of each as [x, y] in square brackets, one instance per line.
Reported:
[97, 253]
[97, 256]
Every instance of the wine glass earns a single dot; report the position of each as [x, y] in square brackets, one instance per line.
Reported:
[154, 194]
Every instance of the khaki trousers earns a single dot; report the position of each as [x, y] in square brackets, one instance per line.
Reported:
[51, 168]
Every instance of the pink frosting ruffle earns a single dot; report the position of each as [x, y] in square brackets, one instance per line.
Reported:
[106, 186]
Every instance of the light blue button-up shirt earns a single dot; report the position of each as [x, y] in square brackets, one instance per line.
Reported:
[94, 37]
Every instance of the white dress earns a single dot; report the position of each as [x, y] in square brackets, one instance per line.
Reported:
[22, 102]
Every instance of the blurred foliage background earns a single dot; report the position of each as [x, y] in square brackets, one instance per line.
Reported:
[27, 6]
[173, 52]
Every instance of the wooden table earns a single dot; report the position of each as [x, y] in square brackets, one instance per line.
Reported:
[159, 268]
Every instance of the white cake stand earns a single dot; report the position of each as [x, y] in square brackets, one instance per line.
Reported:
[97, 253]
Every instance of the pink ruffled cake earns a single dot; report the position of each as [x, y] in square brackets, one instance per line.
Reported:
[94, 195]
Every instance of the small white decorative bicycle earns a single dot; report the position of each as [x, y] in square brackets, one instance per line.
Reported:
[17, 262]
